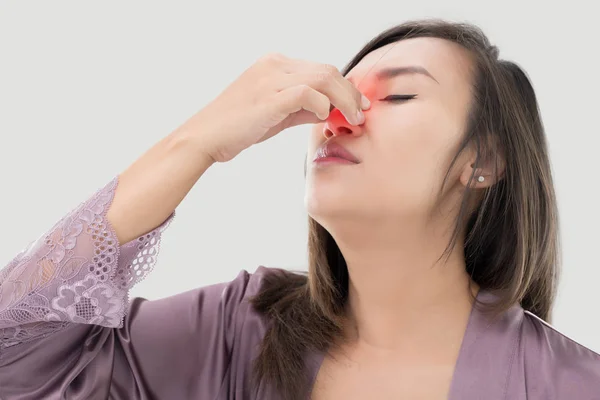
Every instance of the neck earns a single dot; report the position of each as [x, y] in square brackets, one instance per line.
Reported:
[400, 295]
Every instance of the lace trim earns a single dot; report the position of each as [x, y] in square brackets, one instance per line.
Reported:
[76, 273]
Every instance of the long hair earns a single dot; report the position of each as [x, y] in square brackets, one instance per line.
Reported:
[511, 242]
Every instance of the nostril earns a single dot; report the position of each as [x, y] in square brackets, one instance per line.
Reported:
[340, 130]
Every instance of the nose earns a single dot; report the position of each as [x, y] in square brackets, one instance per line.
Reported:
[337, 125]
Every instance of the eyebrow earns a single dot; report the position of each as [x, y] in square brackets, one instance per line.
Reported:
[389, 73]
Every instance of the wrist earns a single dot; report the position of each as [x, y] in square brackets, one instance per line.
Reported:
[191, 144]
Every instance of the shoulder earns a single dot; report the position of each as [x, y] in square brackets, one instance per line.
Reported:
[558, 361]
[248, 288]
[248, 285]
[254, 297]
[251, 294]
[245, 284]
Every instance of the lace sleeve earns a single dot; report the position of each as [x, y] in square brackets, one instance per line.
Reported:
[75, 273]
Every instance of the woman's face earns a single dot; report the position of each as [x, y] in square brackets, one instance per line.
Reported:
[405, 147]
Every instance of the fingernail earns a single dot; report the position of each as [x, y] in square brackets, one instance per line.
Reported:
[360, 117]
[348, 119]
[365, 103]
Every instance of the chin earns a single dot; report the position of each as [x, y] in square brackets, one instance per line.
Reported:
[328, 199]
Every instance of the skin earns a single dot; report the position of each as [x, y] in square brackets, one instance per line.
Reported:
[407, 315]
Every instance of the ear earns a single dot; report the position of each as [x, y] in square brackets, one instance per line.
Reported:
[484, 175]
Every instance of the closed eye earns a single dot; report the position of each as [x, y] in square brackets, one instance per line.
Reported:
[400, 97]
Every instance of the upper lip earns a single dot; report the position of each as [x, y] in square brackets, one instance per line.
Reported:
[334, 149]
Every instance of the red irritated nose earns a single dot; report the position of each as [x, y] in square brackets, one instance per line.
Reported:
[337, 124]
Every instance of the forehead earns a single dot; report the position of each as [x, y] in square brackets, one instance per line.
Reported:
[446, 61]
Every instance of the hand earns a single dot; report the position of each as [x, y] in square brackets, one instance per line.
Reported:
[272, 95]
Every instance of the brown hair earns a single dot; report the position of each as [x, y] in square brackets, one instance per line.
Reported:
[511, 238]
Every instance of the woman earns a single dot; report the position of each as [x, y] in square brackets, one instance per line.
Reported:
[433, 248]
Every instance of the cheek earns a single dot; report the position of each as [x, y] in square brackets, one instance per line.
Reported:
[415, 133]
[408, 138]
[409, 155]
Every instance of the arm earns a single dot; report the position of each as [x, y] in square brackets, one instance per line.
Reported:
[154, 185]
[66, 327]
[194, 345]
[82, 269]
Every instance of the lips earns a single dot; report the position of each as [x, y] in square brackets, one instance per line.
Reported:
[334, 150]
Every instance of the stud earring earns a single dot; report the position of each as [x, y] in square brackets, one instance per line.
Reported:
[481, 178]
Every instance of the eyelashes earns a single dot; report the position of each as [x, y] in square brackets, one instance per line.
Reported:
[400, 97]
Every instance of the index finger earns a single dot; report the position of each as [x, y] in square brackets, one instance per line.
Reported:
[342, 93]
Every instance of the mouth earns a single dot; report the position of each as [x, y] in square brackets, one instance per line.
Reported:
[334, 152]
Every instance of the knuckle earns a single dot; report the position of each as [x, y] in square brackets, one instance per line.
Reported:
[303, 92]
[323, 77]
[271, 58]
[330, 69]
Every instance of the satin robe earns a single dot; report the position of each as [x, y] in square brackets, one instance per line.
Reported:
[68, 330]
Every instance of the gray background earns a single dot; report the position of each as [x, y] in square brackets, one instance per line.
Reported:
[87, 87]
